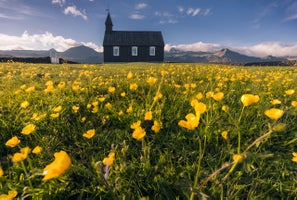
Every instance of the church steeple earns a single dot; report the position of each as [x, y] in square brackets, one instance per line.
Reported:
[108, 24]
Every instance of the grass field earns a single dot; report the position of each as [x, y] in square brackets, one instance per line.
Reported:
[147, 131]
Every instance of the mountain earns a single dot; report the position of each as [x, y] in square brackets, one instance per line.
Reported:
[223, 56]
[82, 54]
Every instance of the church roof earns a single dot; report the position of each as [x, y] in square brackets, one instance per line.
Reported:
[137, 38]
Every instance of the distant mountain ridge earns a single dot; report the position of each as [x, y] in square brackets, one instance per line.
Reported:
[83, 54]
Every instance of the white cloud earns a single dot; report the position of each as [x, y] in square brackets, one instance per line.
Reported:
[136, 16]
[270, 48]
[43, 41]
[60, 2]
[198, 46]
[258, 50]
[193, 12]
[180, 9]
[73, 10]
[141, 6]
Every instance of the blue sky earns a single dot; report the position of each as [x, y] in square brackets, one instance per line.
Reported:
[253, 27]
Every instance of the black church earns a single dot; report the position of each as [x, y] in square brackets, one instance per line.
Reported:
[132, 46]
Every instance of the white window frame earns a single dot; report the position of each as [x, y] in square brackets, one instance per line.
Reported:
[134, 51]
[116, 51]
[152, 51]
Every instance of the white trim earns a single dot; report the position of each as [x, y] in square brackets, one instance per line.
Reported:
[152, 51]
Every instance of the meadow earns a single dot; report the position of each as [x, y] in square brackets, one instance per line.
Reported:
[147, 131]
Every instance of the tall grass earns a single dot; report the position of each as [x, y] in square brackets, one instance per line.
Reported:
[120, 125]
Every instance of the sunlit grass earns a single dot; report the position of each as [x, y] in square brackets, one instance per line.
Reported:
[143, 130]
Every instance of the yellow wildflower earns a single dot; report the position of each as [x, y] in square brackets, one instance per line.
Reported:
[156, 127]
[274, 113]
[109, 159]
[248, 99]
[101, 99]
[218, 96]
[25, 104]
[225, 108]
[14, 141]
[83, 119]
[192, 121]
[275, 102]
[130, 109]
[59, 166]
[111, 89]
[89, 134]
[139, 132]
[22, 155]
[75, 108]
[198, 106]
[209, 94]
[199, 96]
[133, 86]
[55, 115]
[1, 171]
[30, 89]
[294, 159]
[28, 129]
[158, 96]
[289, 92]
[237, 158]
[37, 150]
[129, 75]
[294, 103]
[151, 81]
[148, 115]
[23, 86]
[10, 196]
[123, 94]
[61, 85]
[57, 109]
[108, 105]
[225, 135]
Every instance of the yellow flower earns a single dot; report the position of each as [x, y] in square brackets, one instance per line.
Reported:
[28, 129]
[129, 75]
[37, 150]
[25, 104]
[30, 89]
[59, 166]
[22, 155]
[55, 115]
[198, 106]
[209, 94]
[101, 99]
[133, 86]
[10, 196]
[75, 108]
[148, 115]
[151, 81]
[192, 121]
[156, 127]
[57, 109]
[139, 132]
[294, 159]
[61, 85]
[225, 135]
[89, 134]
[108, 105]
[23, 86]
[158, 96]
[1, 171]
[109, 160]
[130, 109]
[289, 92]
[218, 96]
[14, 141]
[123, 94]
[275, 102]
[294, 103]
[248, 99]
[111, 89]
[274, 113]
[225, 108]
[199, 96]
[83, 119]
[237, 158]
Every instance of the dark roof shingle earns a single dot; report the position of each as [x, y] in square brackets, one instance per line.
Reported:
[139, 38]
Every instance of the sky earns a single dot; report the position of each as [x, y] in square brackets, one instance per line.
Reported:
[252, 27]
